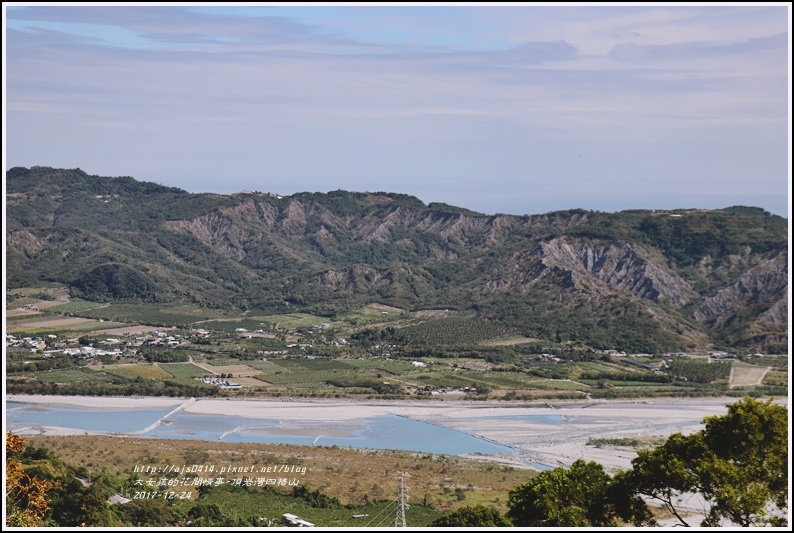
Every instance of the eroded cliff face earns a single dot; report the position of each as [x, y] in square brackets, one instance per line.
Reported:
[776, 315]
[217, 231]
[25, 242]
[595, 269]
[232, 229]
[604, 268]
[590, 267]
[766, 282]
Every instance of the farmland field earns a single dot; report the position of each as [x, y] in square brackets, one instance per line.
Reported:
[22, 317]
[250, 382]
[154, 314]
[302, 379]
[452, 330]
[293, 320]
[69, 376]
[236, 370]
[507, 342]
[26, 315]
[373, 315]
[135, 371]
[184, 370]
[312, 364]
[76, 305]
[265, 366]
[743, 375]
[385, 365]
[131, 330]
[776, 378]
[93, 326]
[48, 323]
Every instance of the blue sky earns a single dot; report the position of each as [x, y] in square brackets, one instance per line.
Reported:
[517, 109]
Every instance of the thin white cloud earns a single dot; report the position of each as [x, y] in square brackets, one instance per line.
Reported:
[309, 98]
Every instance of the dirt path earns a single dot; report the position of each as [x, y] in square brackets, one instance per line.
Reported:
[742, 376]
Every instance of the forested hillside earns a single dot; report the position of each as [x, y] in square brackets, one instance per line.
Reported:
[635, 280]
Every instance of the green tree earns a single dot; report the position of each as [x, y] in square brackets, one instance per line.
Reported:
[667, 473]
[737, 464]
[148, 513]
[754, 437]
[205, 514]
[564, 498]
[477, 516]
[94, 508]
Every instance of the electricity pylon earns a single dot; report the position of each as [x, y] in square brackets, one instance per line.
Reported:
[402, 498]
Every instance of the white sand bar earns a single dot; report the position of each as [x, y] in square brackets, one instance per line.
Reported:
[98, 402]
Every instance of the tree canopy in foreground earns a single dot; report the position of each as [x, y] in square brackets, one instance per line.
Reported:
[737, 465]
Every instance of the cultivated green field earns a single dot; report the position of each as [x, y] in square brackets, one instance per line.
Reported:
[380, 364]
[135, 371]
[776, 378]
[75, 305]
[68, 376]
[89, 326]
[184, 370]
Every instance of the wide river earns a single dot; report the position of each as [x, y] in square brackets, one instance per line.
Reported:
[538, 435]
[383, 431]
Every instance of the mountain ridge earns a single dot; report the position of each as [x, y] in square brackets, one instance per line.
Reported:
[680, 278]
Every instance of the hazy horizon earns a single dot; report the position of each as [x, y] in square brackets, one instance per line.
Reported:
[515, 109]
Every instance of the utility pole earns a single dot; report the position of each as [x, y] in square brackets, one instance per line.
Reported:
[402, 497]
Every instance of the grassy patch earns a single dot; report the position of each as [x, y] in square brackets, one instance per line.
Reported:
[776, 378]
[184, 370]
[303, 378]
[452, 331]
[68, 376]
[92, 326]
[265, 366]
[292, 320]
[312, 364]
[628, 442]
[152, 314]
[135, 371]
[513, 341]
[30, 317]
[370, 315]
[76, 305]
[390, 366]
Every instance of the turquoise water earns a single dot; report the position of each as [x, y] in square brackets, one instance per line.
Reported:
[380, 432]
[388, 432]
[19, 415]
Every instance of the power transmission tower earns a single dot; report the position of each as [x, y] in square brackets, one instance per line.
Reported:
[402, 497]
